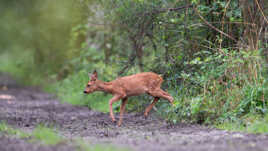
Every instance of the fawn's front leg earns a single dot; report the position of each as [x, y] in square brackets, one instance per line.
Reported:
[112, 100]
[122, 109]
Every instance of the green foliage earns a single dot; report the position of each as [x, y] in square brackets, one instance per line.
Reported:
[11, 131]
[36, 36]
[40, 133]
[249, 123]
[83, 146]
[46, 135]
[225, 86]
[21, 67]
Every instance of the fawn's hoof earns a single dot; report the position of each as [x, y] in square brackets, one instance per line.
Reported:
[114, 121]
[119, 124]
[145, 115]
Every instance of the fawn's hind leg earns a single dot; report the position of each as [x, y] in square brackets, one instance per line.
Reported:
[148, 109]
[162, 94]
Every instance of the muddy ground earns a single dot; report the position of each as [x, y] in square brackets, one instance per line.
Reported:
[27, 107]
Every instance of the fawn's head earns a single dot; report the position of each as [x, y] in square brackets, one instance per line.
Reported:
[92, 83]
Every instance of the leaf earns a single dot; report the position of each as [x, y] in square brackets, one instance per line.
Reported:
[222, 4]
[229, 14]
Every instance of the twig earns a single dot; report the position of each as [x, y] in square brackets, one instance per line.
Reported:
[261, 11]
[213, 27]
[172, 9]
[130, 63]
[224, 22]
[224, 13]
[178, 8]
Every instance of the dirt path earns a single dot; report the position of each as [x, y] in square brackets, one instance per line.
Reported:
[25, 108]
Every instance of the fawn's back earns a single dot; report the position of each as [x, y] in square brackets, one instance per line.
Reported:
[138, 83]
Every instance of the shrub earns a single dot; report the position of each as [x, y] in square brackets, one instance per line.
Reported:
[225, 85]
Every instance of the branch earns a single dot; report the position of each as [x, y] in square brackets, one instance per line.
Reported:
[130, 63]
[178, 8]
[172, 9]
[213, 27]
[261, 11]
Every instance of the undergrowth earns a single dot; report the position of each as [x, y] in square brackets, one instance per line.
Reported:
[249, 123]
[224, 87]
[23, 68]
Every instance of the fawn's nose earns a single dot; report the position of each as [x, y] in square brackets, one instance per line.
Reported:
[85, 91]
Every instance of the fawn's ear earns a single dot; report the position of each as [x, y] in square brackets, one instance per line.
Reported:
[94, 76]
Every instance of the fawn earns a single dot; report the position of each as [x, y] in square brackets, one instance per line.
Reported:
[124, 87]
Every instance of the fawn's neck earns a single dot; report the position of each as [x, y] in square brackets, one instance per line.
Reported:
[105, 87]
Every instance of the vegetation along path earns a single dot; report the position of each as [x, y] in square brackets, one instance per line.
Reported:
[25, 108]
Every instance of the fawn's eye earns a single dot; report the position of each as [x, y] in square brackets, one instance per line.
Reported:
[88, 85]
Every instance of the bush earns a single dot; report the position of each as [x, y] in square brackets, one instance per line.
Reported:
[224, 86]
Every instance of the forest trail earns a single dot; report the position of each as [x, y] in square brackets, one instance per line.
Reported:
[26, 107]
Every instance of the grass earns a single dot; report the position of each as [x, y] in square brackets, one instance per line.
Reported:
[48, 136]
[41, 133]
[11, 131]
[99, 147]
[250, 124]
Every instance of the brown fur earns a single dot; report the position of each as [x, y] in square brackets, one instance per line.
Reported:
[133, 85]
